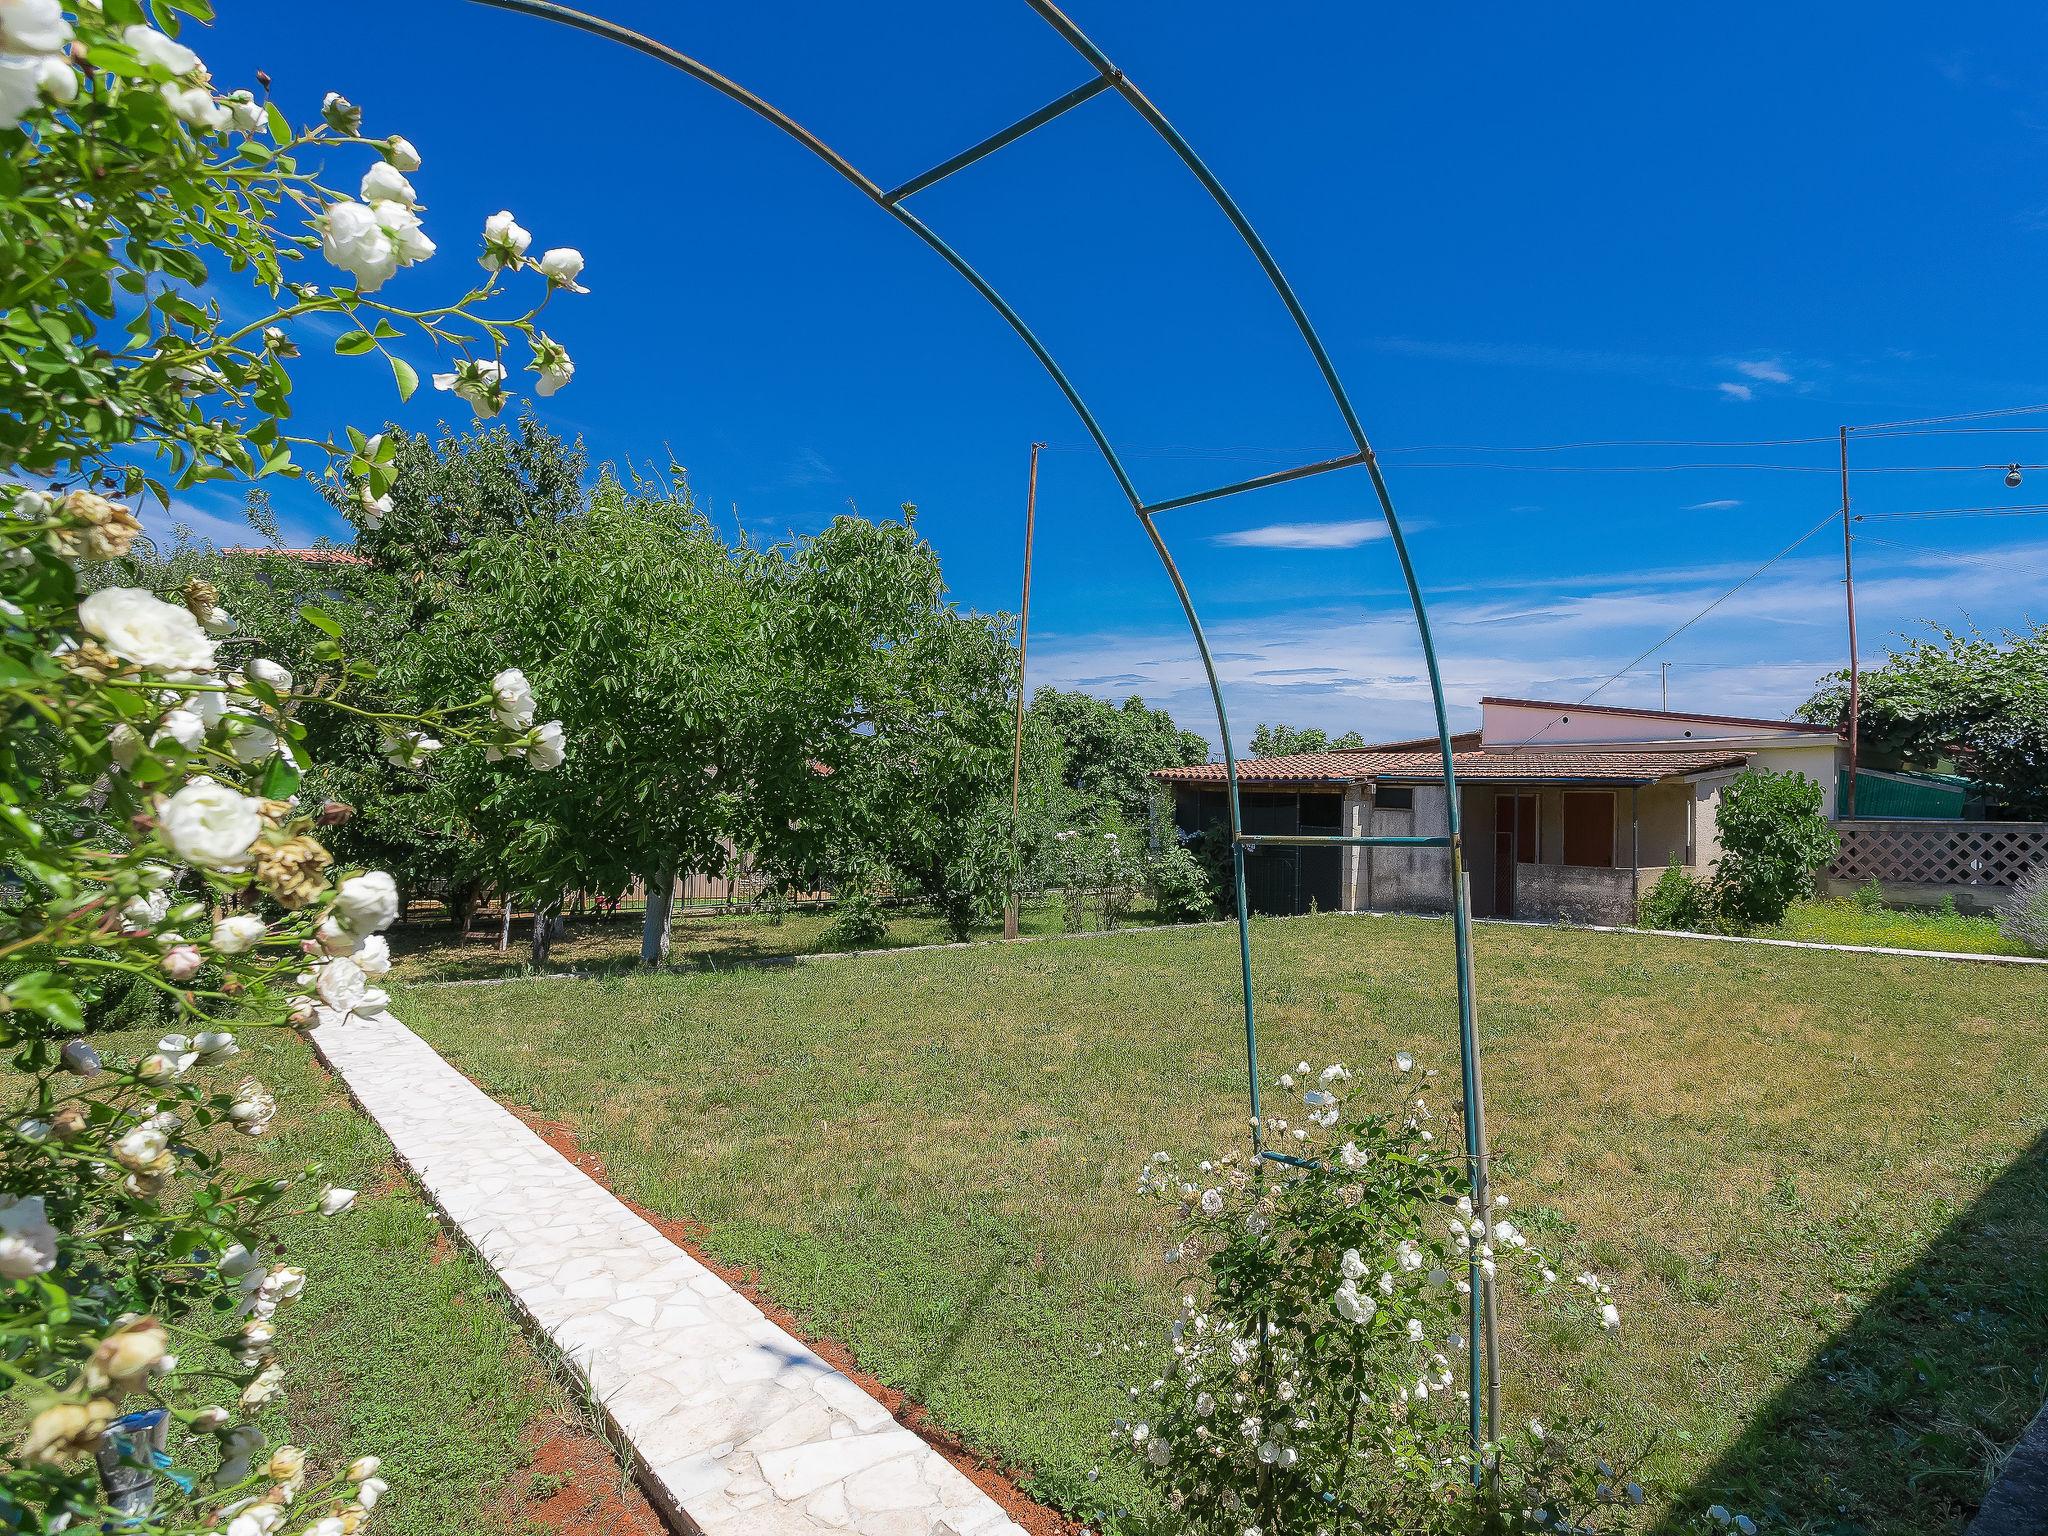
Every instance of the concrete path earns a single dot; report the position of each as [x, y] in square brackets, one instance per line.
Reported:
[737, 1426]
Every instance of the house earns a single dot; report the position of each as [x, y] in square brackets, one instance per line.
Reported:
[1569, 811]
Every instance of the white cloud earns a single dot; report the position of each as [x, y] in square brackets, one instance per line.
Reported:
[1768, 372]
[1736, 391]
[1712, 506]
[1758, 652]
[1307, 535]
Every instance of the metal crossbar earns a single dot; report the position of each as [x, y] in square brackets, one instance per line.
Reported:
[1258, 482]
[1481, 1424]
[996, 141]
[1311, 840]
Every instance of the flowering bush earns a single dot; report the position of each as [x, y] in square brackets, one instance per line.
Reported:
[1313, 1382]
[160, 864]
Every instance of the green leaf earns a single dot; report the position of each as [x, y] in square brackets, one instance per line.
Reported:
[353, 343]
[408, 378]
[280, 779]
[39, 992]
[320, 621]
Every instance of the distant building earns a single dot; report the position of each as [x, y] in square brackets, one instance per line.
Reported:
[1569, 812]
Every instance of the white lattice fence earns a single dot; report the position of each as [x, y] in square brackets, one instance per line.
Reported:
[1994, 853]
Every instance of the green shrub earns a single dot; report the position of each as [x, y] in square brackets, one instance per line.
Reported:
[1679, 901]
[1869, 895]
[1773, 841]
[857, 918]
[2024, 917]
[1180, 887]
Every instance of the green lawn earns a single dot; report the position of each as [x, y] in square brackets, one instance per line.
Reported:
[1818, 1180]
[1843, 921]
[423, 951]
[402, 1344]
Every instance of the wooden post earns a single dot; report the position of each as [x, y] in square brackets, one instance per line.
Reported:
[1849, 594]
[1023, 653]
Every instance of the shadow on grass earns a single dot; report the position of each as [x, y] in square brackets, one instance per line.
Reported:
[1898, 1422]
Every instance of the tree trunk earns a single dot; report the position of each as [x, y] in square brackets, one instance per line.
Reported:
[504, 921]
[654, 929]
[543, 931]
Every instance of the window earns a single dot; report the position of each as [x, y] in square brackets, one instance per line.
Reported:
[1395, 797]
[1322, 813]
[1589, 828]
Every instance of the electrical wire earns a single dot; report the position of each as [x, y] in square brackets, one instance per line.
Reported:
[1616, 676]
[1889, 517]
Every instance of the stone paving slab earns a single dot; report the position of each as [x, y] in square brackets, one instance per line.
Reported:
[737, 1426]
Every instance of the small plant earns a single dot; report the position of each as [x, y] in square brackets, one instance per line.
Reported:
[858, 921]
[1773, 841]
[545, 1485]
[1679, 901]
[2024, 917]
[1869, 895]
[773, 903]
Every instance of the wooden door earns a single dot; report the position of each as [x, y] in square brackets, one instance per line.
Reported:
[1514, 842]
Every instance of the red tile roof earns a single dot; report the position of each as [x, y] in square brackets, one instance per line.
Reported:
[1337, 769]
[329, 556]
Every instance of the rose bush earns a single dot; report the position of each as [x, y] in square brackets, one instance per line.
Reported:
[159, 862]
[1314, 1381]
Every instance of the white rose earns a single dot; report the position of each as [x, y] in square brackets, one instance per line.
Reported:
[335, 1200]
[504, 242]
[208, 823]
[183, 727]
[195, 105]
[352, 238]
[339, 113]
[265, 670]
[245, 111]
[253, 741]
[28, 1243]
[562, 266]
[33, 26]
[373, 958]
[512, 699]
[481, 383]
[402, 227]
[398, 151]
[218, 622]
[546, 752]
[334, 937]
[141, 627]
[551, 361]
[340, 984]
[124, 745]
[20, 94]
[158, 51]
[385, 183]
[367, 903]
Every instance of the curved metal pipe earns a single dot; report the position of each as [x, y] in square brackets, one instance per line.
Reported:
[1468, 1044]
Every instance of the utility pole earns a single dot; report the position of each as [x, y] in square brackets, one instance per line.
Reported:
[1664, 685]
[1023, 653]
[1849, 592]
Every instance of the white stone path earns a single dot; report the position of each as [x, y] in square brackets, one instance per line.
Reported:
[736, 1425]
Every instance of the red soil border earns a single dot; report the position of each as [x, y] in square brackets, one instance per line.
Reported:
[985, 1474]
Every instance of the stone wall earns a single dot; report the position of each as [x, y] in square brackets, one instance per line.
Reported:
[1563, 893]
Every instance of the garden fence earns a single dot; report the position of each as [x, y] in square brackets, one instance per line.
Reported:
[1915, 859]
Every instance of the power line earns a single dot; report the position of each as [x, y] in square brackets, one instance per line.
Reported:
[2032, 510]
[1688, 624]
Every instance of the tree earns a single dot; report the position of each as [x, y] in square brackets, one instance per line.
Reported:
[877, 727]
[1959, 698]
[1773, 841]
[1109, 751]
[637, 615]
[1287, 740]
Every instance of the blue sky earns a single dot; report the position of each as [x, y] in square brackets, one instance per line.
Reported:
[1513, 227]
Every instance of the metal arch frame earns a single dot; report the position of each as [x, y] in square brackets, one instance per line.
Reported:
[1107, 77]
